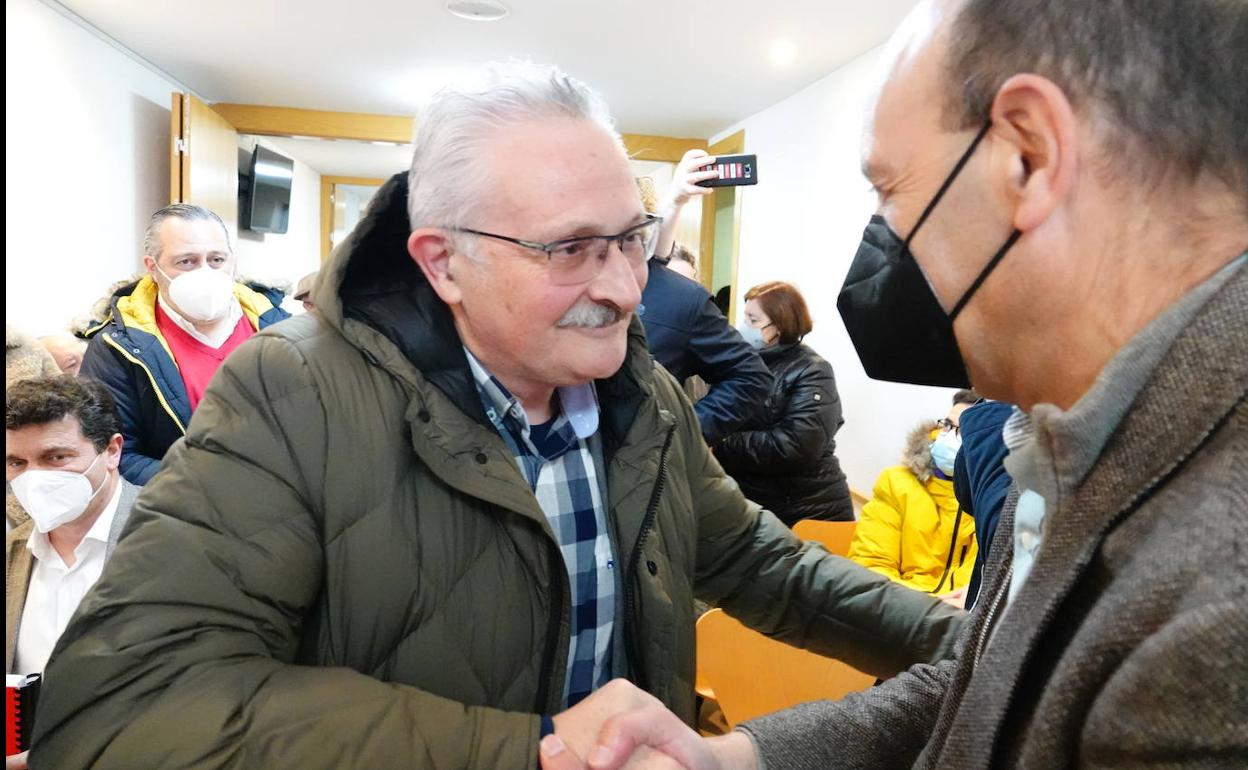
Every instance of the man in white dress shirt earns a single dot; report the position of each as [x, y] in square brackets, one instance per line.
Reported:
[62, 451]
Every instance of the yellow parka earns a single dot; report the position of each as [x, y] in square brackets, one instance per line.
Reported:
[906, 531]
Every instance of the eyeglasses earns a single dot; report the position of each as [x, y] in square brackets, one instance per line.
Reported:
[579, 260]
[946, 424]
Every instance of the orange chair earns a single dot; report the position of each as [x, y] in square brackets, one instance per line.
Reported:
[834, 535]
[752, 675]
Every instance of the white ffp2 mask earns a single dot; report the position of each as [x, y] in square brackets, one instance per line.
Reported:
[202, 295]
[53, 498]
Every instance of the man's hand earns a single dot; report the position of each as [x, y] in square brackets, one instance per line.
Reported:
[578, 728]
[648, 737]
[684, 187]
[691, 170]
[17, 761]
[954, 598]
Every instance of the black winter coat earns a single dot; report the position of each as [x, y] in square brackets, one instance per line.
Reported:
[785, 457]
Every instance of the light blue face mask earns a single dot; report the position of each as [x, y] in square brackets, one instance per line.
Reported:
[752, 335]
[945, 451]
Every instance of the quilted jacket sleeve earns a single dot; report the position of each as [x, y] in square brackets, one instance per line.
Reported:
[796, 440]
[754, 567]
[182, 655]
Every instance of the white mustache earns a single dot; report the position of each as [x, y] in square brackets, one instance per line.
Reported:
[590, 315]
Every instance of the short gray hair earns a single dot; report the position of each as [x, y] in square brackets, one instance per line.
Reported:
[187, 211]
[454, 128]
[1169, 73]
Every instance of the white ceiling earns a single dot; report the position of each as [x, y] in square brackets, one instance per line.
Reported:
[346, 158]
[671, 67]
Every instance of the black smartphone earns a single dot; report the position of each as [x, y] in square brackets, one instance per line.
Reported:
[734, 170]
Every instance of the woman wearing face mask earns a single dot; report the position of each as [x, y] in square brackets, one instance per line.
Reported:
[912, 530]
[784, 458]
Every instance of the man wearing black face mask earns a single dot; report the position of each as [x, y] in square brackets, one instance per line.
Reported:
[1063, 220]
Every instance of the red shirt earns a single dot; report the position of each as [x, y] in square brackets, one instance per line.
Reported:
[196, 361]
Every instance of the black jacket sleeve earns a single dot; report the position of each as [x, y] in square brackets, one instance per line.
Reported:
[810, 415]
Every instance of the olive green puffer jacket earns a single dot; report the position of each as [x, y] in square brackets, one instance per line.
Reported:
[341, 566]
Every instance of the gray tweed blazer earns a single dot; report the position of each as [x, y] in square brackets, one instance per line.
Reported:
[1128, 645]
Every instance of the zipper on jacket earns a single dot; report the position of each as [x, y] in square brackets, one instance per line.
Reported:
[953, 543]
[552, 633]
[630, 592]
[160, 396]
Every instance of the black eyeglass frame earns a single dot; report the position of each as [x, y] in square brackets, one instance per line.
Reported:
[549, 248]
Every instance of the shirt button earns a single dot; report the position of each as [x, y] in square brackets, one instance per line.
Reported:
[481, 458]
[1028, 541]
[652, 567]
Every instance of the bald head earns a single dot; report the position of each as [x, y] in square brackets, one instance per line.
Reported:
[66, 349]
[1101, 237]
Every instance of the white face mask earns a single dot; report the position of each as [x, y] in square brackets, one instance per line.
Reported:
[53, 498]
[204, 295]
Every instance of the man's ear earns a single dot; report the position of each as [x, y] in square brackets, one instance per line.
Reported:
[1035, 119]
[112, 452]
[149, 262]
[432, 251]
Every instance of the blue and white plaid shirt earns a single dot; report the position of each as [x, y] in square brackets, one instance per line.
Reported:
[559, 465]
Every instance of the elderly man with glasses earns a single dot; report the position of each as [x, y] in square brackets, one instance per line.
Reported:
[426, 525]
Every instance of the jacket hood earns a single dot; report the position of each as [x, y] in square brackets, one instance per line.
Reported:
[132, 304]
[917, 456]
[377, 297]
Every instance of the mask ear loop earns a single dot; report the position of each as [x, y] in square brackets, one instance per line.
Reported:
[944, 188]
[983, 274]
[94, 492]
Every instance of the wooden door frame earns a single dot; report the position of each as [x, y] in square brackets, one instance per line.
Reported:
[733, 144]
[327, 205]
[264, 120]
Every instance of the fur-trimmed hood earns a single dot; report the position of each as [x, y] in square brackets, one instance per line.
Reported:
[917, 456]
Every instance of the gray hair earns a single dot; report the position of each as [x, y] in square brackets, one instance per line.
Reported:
[187, 211]
[1170, 75]
[454, 128]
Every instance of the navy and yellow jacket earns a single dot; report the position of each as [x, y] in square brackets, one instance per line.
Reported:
[130, 355]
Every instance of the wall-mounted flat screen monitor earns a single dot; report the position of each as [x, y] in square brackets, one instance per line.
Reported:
[266, 203]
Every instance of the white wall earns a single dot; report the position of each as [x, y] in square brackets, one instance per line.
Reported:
[282, 259]
[87, 162]
[802, 224]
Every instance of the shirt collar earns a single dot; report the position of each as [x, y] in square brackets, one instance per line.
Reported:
[578, 404]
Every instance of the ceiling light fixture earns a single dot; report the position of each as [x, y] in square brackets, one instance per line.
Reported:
[477, 10]
[783, 53]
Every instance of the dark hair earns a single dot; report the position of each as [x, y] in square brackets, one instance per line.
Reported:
[722, 298]
[1171, 75]
[784, 305]
[41, 400]
[968, 396]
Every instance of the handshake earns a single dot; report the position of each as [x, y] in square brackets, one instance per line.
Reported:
[621, 726]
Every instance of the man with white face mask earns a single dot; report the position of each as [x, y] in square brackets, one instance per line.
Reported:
[167, 334]
[62, 450]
